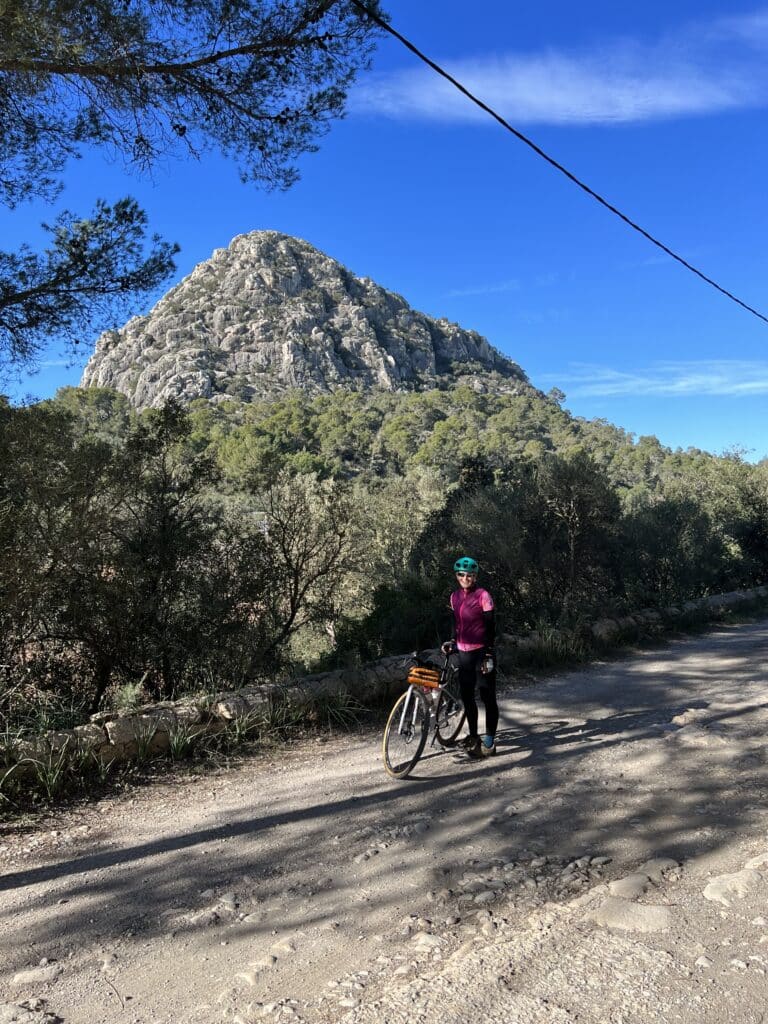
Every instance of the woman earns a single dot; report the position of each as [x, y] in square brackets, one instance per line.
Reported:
[474, 621]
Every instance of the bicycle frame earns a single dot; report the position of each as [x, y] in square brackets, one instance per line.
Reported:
[430, 693]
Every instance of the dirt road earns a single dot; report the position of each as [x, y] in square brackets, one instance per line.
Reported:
[310, 887]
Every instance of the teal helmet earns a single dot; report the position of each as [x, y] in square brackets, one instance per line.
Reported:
[465, 565]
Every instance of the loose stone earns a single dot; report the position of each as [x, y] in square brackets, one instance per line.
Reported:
[284, 946]
[629, 887]
[725, 887]
[626, 916]
[657, 868]
[38, 975]
[485, 897]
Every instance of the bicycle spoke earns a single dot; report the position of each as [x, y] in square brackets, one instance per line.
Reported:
[405, 733]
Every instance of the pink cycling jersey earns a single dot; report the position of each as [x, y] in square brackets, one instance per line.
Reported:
[468, 607]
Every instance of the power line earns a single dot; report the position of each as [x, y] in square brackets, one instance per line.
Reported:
[550, 160]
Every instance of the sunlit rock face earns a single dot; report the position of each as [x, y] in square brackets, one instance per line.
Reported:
[271, 313]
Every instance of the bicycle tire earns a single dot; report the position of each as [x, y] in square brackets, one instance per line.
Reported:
[449, 718]
[411, 741]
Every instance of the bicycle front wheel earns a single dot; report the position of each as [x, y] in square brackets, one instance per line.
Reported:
[450, 715]
[405, 734]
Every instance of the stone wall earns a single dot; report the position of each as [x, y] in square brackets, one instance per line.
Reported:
[609, 631]
[112, 737]
[115, 736]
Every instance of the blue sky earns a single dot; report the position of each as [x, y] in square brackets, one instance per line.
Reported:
[661, 110]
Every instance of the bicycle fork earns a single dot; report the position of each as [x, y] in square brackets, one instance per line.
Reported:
[406, 704]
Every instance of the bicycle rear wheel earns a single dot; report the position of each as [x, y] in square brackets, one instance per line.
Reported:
[449, 718]
[403, 743]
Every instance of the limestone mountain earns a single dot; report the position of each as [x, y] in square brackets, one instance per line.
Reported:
[271, 313]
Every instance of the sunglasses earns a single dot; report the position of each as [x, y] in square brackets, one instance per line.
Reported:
[466, 574]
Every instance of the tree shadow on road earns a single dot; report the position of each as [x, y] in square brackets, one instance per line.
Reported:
[590, 762]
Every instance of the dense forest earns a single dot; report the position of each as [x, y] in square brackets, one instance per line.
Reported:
[147, 555]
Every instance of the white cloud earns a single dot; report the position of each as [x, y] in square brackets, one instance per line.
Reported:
[664, 379]
[750, 29]
[512, 285]
[708, 68]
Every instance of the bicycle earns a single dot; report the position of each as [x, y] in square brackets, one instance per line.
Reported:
[432, 699]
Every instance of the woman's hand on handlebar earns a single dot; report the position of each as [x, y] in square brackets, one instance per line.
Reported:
[449, 647]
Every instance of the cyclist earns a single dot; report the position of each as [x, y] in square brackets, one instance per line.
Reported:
[474, 633]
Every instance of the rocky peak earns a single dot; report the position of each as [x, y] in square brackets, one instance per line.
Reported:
[270, 313]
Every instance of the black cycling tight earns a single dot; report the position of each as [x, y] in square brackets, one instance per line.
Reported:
[469, 676]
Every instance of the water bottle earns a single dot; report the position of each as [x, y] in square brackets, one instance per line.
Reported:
[488, 664]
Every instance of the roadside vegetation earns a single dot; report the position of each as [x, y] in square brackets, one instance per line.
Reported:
[47, 776]
[147, 557]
